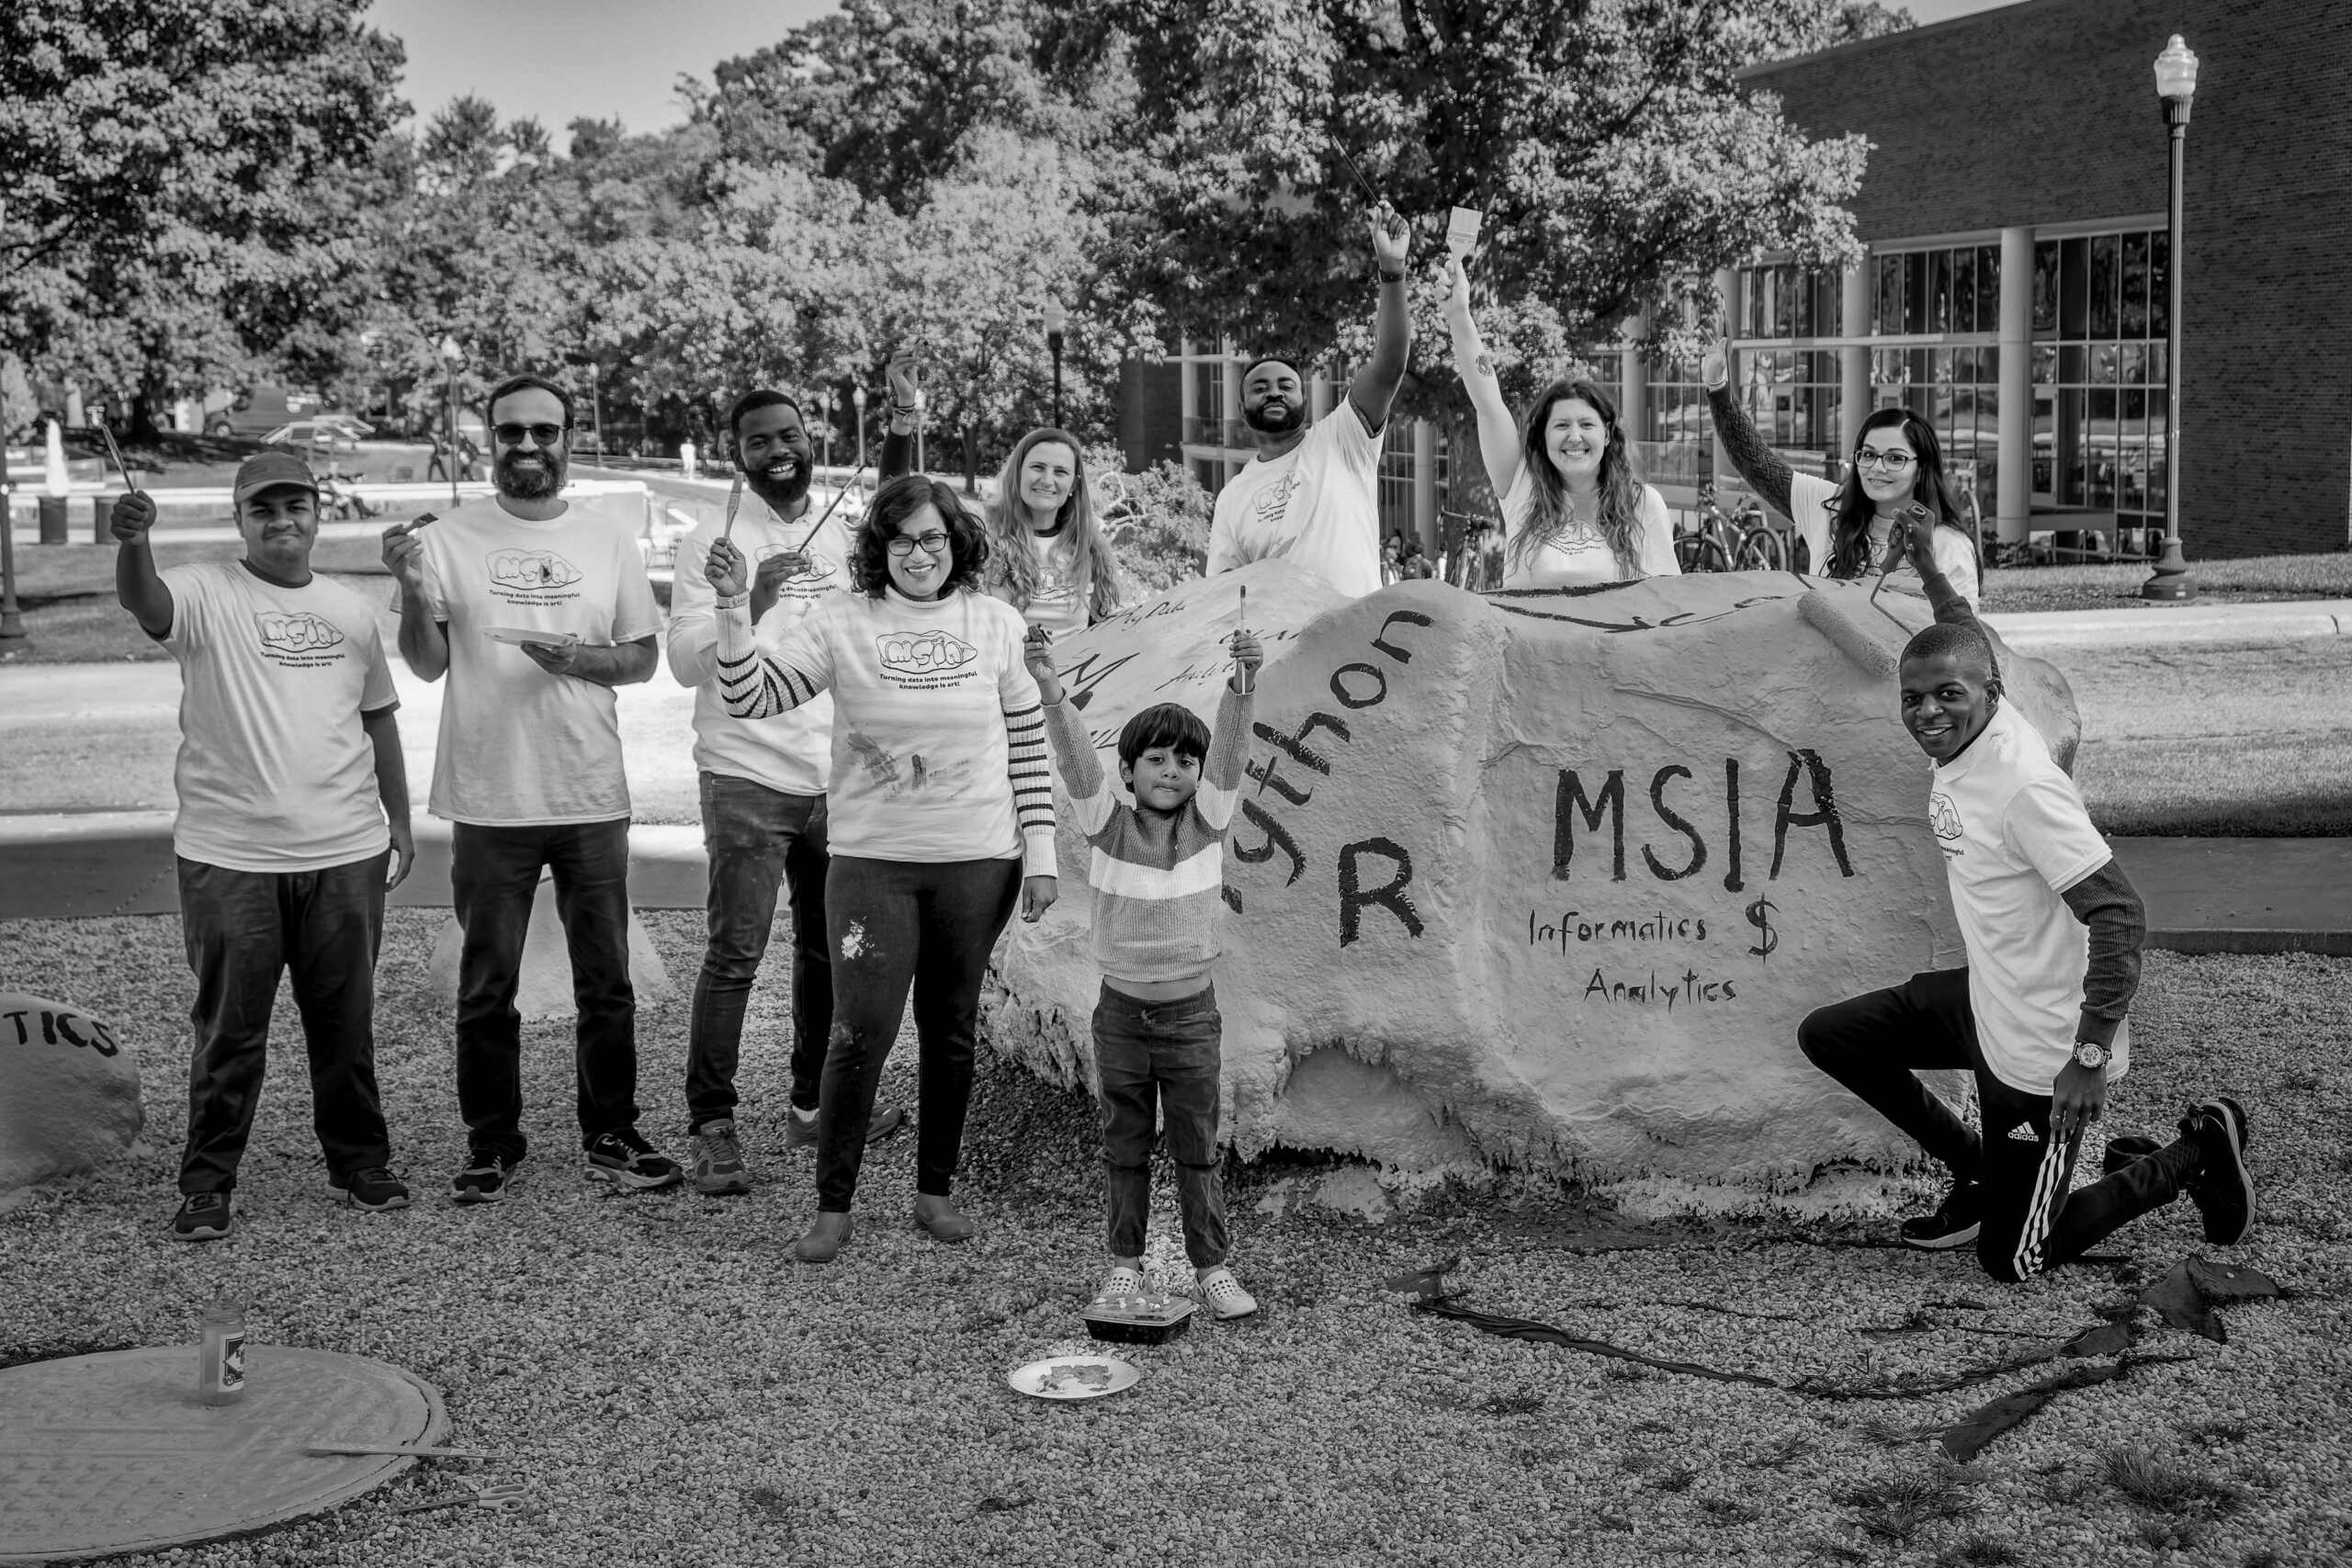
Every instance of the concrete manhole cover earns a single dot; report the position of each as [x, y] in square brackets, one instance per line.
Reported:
[110, 1453]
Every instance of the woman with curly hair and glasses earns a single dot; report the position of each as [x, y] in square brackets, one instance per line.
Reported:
[942, 817]
[1574, 514]
[1848, 528]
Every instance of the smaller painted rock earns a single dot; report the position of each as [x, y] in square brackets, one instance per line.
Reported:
[69, 1092]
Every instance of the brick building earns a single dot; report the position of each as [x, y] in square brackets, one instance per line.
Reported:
[2015, 290]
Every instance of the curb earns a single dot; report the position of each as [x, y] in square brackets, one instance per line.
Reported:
[2264, 621]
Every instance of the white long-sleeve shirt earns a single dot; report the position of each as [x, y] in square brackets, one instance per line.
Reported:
[939, 736]
[792, 751]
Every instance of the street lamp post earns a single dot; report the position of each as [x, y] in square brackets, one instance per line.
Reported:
[451, 357]
[857, 396]
[922, 464]
[2176, 87]
[825, 419]
[12, 625]
[1056, 319]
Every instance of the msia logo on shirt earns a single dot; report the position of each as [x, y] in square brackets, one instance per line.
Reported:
[530, 570]
[923, 653]
[295, 631]
[1275, 500]
[1943, 814]
[817, 570]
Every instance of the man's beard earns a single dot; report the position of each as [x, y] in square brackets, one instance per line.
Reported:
[782, 494]
[1294, 415]
[530, 484]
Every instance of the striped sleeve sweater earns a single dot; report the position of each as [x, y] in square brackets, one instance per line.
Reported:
[939, 739]
[1156, 882]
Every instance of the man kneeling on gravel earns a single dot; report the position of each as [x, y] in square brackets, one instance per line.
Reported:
[2053, 932]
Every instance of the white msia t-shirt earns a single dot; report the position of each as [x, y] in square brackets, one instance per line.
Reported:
[2015, 837]
[792, 751]
[1577, 557]
[520, 747]
[274, 772]
[1317, 506]
[1814, 501]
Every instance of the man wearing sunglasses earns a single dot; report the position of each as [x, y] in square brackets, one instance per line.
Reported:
[536, 610]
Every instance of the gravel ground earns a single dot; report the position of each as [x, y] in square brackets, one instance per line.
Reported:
[672, 1389]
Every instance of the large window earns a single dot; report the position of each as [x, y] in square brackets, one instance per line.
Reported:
[1787, 303]
[1953, 289]
[1790, 392]
[1206, 427]
[2100, 310]
[1673, 444]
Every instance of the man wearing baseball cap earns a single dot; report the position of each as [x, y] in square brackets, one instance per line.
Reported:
[293, 824]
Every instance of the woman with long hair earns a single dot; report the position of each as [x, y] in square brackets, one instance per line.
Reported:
[1574, 511]
[1048, 557]
[1846, 527]
[940, 812]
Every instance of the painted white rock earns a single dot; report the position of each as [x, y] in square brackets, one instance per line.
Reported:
[543, 990]
[1540, 878]
[69, 1092]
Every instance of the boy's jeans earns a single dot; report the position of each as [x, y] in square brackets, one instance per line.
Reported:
[1168, 1052]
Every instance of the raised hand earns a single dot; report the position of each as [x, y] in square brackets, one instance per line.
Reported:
[1456, 282]
[904, 372]
[404, 555]
[1037, 653]
[1248, 655]
[767, 585]
[1920, 538]
[1714, 365]
[1392, 240]
[725, 567]
[133, 514]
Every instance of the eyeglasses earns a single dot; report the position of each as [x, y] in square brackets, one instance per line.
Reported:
[512, 435]
[936, 544]
[1871, 458]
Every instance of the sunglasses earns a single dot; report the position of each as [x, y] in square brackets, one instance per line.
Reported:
[512, 435]
[936, 544]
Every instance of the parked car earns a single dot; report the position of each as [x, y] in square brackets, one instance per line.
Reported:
[327, 434]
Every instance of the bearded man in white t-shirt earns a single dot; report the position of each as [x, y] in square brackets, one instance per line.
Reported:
[1312, 494]
[536, 611]
[2053, 932]
[763, 784]
[293, 824]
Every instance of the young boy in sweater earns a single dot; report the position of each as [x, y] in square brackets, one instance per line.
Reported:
[1158, 872]
[2053, 932]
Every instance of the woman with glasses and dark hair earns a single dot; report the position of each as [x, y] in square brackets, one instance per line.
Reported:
[942, 815]
[1574, 511]
[1846, 527]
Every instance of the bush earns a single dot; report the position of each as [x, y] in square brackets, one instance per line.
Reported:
[1157, 521]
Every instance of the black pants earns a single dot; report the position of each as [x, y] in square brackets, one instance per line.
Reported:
[1874, 1044]
[1155, 1060]
[494, 873]
[892, 924]
[760, 840]
[243, 929]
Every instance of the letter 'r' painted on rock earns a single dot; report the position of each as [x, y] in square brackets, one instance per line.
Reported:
[1570, 801]
[1809, 762]
[1389, 895]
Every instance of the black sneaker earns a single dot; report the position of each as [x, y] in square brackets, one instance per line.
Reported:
[1955, 1223]
[204, 1216]
[628, 1160]
[485, 1179]
[2221, 1187]
[373, 1188]
[800, 1134]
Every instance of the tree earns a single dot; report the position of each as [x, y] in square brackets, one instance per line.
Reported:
[159, 158]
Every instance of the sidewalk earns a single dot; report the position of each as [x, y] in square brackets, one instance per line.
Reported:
[2263, 621]
[2203, 895]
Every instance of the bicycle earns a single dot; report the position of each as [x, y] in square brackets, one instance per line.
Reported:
[1722, 542]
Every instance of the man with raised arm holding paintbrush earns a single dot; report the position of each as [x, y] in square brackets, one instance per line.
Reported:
[763, 785]
[536, 610]
[1312, 495]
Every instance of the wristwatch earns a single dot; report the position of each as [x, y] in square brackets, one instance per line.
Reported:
[2090, 1053]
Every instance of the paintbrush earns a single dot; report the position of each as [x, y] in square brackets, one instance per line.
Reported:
[811, 535]
[734, 500]
[1350, 163]
[120, 466]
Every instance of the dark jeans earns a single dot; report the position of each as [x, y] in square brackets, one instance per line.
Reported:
[892, 923]
[494, 872]
[759, 840]
[244, 929]
[1165, 1052]
[1873, 1044]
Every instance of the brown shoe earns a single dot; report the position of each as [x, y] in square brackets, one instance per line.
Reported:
[824, 1241]
[944, 1223]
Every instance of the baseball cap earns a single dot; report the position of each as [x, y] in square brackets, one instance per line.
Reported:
[262, 469]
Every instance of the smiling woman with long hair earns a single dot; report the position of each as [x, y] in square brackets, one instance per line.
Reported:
[1846, 527]
[1574, 511]
[1048, 557]
[940, 815]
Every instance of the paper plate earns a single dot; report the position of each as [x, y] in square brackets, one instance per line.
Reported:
[522, 634]
[1073, 1377]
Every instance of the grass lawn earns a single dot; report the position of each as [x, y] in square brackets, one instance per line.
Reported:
[2115, 587]
[672, 1389]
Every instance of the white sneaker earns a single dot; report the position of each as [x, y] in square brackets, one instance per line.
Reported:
[1121, 1281]
[1224, 1295]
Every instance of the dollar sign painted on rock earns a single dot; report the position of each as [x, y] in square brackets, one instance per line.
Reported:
[1759, 915]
